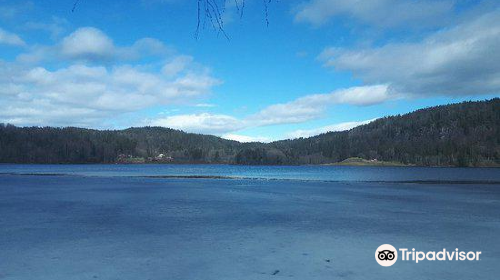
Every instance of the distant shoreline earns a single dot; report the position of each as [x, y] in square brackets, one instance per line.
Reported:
[342, 163]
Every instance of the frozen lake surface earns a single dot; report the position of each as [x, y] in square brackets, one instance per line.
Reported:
[114, 222]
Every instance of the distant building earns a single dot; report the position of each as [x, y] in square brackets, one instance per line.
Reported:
[163, 158]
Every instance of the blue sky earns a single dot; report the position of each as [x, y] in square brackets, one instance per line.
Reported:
[320, 65]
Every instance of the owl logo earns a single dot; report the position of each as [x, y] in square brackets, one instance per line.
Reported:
[386, 255]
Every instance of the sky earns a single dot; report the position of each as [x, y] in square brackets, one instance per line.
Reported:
[309, 67]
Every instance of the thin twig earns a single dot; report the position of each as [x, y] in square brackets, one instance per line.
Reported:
[74, 6]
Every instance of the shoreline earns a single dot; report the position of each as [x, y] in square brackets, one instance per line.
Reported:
[342, 163]
[222, 177]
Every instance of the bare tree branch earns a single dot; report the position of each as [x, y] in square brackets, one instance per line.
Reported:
[74, 6]
[212, 11]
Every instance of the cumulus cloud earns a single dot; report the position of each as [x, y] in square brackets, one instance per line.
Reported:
[89, 93]
[177, 65]
[383, 13]
[225, 126]
[200, 123]
[463, 60]
[329, 128]
[89, 44]
[300, 110]
[95, 90]
[9, 38]
[312, 106]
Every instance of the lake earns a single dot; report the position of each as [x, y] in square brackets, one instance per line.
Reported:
[244, 222]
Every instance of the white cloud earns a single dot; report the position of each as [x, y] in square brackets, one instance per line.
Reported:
[9, 38]
[245, 138]
[383, 13]
[90, 93]
[205, 105]
[145, 47]
[200, 123]
[360, 96]
[225, 125]
[88, 43]
[298, 111]
[177, 65]
[97, 91]
[313, 106]
[463, 60]
[330, 128]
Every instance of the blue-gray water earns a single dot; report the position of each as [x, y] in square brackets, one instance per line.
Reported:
[319, 173]
[322, 222]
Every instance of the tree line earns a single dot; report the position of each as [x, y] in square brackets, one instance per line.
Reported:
[463, 134]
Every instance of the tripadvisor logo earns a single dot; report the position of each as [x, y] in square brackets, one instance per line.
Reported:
[387, 255]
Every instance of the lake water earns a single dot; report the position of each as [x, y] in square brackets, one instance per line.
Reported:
[298, 222]
[319, 173]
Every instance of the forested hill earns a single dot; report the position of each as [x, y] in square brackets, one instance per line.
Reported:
[464, 134]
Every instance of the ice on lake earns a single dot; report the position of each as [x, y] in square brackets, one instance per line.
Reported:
[128, 227]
